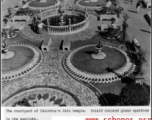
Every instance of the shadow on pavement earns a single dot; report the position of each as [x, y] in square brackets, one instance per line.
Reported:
[145, 31]
[60, 47]
[90, 52]
[132, 11]
[147, 18]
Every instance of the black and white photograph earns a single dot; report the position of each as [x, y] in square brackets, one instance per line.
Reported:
[64, 53]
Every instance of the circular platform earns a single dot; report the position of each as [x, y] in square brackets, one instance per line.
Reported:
[79, 64]
[43, 4]
[91, 4]
[24, 61]
[42, 97]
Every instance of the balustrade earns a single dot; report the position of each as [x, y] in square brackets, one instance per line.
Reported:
[65, 29]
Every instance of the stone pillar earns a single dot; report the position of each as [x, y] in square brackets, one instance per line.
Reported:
[20, 4]
[70, 28]
[85, 12]
[48, 25]
[70, 24]
[40, 13]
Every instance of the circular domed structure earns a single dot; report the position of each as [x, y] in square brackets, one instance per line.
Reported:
[65, 21]
[81, 65]
[90, 4]
[42, 97]
[43, 4]
[25, 59]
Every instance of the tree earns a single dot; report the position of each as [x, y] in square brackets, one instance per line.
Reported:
[5, 20]
[125, 26]
[111, 99]
[127, 80]
[134, 94]
[124, 79]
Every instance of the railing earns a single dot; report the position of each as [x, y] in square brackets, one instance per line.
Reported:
[67, 28]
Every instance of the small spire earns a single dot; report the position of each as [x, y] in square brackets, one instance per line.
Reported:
[99, 44]
[69, 21]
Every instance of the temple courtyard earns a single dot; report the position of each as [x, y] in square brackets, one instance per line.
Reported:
[72, 59]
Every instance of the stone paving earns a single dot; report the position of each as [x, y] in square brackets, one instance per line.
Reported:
[50, 73]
